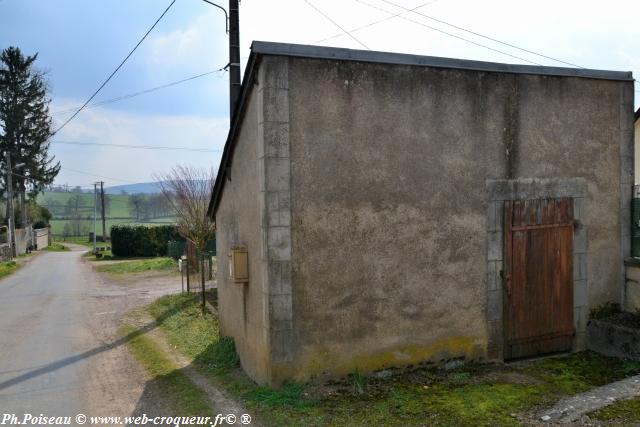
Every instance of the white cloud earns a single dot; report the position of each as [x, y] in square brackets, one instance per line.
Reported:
[588, 33]
[106, 126]
[199, 47]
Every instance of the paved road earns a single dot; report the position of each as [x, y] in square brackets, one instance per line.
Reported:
[41, 325]
[60, 354]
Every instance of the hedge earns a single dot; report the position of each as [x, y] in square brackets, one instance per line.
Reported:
[142, 240]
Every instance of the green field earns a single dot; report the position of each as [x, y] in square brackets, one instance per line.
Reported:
[117, 213]
[56, 202]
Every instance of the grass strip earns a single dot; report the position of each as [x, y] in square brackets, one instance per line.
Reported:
[139, 266]
[471, 395]
[177, 390]
[624, 412]
[56, 247]
[7, 268]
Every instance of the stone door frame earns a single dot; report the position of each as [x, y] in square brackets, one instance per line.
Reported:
[525, 189]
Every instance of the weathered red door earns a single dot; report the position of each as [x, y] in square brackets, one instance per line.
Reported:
[538, 285]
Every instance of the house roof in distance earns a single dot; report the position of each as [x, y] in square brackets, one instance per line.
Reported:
[259, 48]
[637, 115]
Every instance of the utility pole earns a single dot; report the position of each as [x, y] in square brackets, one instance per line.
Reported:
[95, 212]
[232, 19]
[234, 56]
[12, 226]
[104, 233]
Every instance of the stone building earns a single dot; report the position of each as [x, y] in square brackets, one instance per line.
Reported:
[636, 119]
[383, 209]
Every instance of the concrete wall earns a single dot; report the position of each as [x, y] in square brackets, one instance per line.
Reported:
[239, 221]
[41, 237]
[632, 291]
[255, 212]
[23, 240]
[637, 151]
[361, 193]
[389, 203]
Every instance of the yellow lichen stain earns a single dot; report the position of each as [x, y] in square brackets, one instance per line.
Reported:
[335, 361]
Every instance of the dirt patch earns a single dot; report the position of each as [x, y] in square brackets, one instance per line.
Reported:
[117, 385]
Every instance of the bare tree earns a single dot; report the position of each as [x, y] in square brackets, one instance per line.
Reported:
[188, 191]
[136, 202]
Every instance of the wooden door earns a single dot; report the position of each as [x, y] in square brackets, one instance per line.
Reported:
[538, 277]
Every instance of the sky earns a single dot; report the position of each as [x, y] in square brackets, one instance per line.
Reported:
[80, 42]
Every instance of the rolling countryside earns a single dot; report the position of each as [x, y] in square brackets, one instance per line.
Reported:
[75, 211]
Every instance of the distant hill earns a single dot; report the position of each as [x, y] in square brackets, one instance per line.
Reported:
[142, 187]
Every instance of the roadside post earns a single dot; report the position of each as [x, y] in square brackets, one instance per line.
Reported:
[187, 258]
[181, 263]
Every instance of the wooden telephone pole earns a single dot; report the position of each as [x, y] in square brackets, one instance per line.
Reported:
[104, 233]
[234, 56]
[95, 208]
[12, 225]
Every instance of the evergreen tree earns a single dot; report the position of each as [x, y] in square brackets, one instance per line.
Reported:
[25, 125]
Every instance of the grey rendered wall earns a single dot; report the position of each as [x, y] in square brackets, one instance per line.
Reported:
[389, 203]
[255, 212]
[23, 236]
[239, 223]
[637, 150]
[632, 300]
[42, 237]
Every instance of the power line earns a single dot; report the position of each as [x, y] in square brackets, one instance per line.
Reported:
[481, 35]
[99, 176]
[116, 70]
[336, 24]
[371, 24]
[449, 34]
[142, 92]
[142, 147]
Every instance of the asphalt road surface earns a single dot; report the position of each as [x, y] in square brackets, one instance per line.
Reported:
[60, 354]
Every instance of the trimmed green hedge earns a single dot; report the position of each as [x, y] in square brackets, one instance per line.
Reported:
[142, 240]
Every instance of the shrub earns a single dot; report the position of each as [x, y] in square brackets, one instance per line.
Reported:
[142, 240]
[40, 224]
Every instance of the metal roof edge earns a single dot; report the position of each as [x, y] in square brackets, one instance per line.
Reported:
[336, 53]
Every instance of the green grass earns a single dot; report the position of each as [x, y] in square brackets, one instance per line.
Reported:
[581, 372]
[27, 254]
[8, 267]
[57, 200]
[56, 247]
[105, 255]
[174, 387]
[78, 240]
[470, 396]
[139, 266]
[117, 214]
[625, 412]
